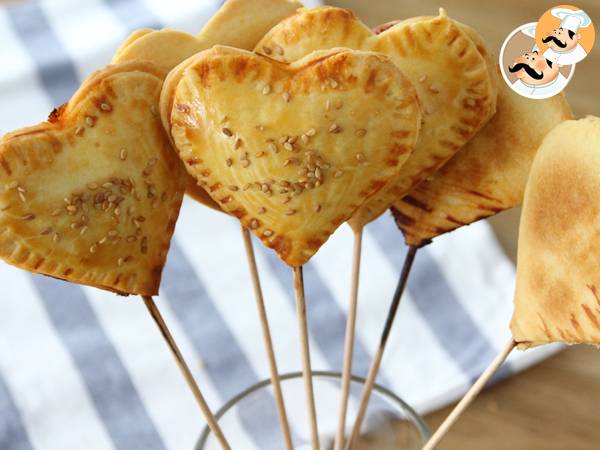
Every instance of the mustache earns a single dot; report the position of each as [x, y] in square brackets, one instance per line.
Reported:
[555, 40]
[530, 70]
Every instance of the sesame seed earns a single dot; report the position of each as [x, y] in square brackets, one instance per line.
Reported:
[333, 83]
[267, 50]
[304, 139]
[360, 157]
[246, 186]
[318, 173]
[113, 233]
[123, 154]
[21, 189]
[90, 121]
[79, 131]
[120, 262]
[22, 197]
[302, 171]
[56, 237]
[105, 107]
[56, 212]
[338, 173]
[46, 231]
[287, 199]
[268, 233]
[286, 97]
[72, 208]
[238, 143]
[318, 208]
[227, 132]
[92, 186]
[311, 132]
[93, 248]
[229, 162]
[233, 188]
[28, 217]
[83, 230]
[288, 146]
[360, 132]
[290, 212]
[334, 128]
[103, 240]
[131, 238]
[422, 79]
[262, 210]
[266, 89]
[245, 163]
[434, 89]
[254, 224]
[260, 154]
[283, 139]
[273, 147]
[328, 105]
[107, 185]
[470, 102]
[292, 139]
[287, 162]
[265, 187]
[284, 183]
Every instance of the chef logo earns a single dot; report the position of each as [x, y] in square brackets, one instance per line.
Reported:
[538, 59]
[565, 34]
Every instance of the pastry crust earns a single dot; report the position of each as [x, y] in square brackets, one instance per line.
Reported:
[92, 195]
[488, 175]
[238, 23]
[557, 297]
[451, 76]
[330, 131]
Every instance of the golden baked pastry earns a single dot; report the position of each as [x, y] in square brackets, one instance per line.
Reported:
[238, 23]
[92, 195]
[557, 297]
[488, 175]
[291, 149]
[436, 54]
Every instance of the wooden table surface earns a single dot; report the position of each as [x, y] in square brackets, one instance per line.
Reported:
[555, 404]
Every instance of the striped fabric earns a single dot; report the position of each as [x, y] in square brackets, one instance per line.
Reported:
[83, 369]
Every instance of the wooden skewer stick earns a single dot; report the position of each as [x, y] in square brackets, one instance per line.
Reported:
[374, 370]
[305, 347]
[264, 322]
[349, 342]
[187, 374]
[469, 396]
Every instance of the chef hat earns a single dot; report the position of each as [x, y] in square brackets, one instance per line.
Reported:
[572, 20]
[529, 30]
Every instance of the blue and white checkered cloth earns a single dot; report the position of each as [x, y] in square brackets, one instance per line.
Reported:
[83, 369]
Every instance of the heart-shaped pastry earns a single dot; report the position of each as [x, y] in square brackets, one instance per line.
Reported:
[557, 296]
[238, 23]
[436, 54]
[92, 195]
[488, 175]
[291, 150]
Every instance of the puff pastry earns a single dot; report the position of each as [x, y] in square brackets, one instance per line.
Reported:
[92, 195]
[291, 150]
[557, 296]
[238, 23]
[436, 54]
[488, 175]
